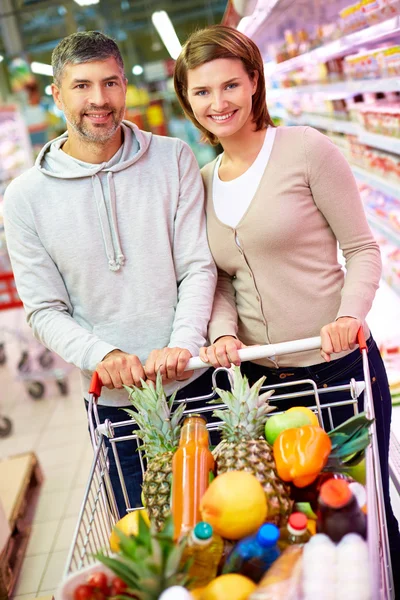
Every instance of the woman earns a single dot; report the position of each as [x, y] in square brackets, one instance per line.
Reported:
[279, 201]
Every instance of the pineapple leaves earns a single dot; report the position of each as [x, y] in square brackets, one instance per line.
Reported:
[150, 562]
[159, 425]
[247, 409]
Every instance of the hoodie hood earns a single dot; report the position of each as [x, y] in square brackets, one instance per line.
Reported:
[53, 162]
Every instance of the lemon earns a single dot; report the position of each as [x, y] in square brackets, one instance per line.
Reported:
[306, 411]
[129, 525]
[234, 505]
[229, 587]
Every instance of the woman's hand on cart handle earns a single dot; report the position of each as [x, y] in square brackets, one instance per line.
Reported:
[223, 352]
[339, 336]
[119, 368]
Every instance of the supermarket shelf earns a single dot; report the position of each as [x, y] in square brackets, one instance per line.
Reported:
[382, 226]
[338, 89]
[264, 10]
[346, 44]
[336, 125]
[388, 278]
[383, 142]
[377, 182]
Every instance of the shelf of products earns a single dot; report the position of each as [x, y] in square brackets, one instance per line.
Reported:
[374, 140]
[317, 121]
[384, 142]
[377, 182]
[374, 34]
[337, 89]
[383, 214]
[380, 225]
[15, 147]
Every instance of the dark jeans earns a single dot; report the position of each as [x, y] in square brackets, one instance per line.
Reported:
[339, 372]
[127, 450]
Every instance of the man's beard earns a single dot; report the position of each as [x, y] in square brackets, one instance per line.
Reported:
[99, 133]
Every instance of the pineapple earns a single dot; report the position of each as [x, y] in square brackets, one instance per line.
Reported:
[150, 562]
[243, 446]
[159, 430]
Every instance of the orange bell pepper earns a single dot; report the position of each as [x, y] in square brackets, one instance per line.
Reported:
[301, 453]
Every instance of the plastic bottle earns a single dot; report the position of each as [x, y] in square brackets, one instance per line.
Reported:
[191, 466]
[205, 549]
[254, 555]
[338, 511]
[319, 569]
[352, 573]
[295, 532]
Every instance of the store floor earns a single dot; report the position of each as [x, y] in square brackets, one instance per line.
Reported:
[55, 428]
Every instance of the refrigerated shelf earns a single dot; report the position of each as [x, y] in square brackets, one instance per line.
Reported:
[383, 142]
[374, 140]
[344, 45]
[338, 89]
[320, 122]
[383, 227]
[378, 183]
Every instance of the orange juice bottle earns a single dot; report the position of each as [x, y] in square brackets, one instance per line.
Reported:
[191, 466]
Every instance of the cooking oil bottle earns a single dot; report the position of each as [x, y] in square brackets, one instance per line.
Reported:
[205, 549]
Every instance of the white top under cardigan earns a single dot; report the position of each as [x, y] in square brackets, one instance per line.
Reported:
[232, 198]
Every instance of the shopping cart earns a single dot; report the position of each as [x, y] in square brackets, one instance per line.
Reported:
[99, 511]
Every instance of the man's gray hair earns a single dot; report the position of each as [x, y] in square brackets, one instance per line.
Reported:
[82, 47]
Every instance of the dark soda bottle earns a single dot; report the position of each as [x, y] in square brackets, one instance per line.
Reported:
[338, 511]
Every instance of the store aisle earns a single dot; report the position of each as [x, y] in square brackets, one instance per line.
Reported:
[55, 428]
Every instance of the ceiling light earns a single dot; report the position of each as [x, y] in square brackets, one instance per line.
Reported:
[86, 2]
[41, 69]
[137, 70]
[167, 33]
[47, 90]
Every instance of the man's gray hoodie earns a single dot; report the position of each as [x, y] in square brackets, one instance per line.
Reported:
[112, 255]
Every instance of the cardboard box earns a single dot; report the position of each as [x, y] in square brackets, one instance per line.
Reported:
[20, 481]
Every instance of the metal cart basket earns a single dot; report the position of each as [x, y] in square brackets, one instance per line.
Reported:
[99, 511]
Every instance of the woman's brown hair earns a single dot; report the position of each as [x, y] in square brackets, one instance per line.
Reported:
[220, 41]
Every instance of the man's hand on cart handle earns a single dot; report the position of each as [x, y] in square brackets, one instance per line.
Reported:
[339, 336]
[223, 352]
[171, 362]
[119, 368]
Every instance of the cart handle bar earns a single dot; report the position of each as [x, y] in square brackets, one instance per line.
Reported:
[250, 353]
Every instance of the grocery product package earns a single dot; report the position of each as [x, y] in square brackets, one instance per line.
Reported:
[283, 580]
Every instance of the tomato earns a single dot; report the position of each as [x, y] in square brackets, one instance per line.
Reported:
[83, 592]
[99, 581]
[117, 586]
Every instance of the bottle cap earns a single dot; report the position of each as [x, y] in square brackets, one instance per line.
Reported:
[359, 492]
[203, 531]
[335, 493]
[267, 535]
[298, 521]
[196, 416]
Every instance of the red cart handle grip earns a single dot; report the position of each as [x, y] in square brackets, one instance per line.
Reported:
[361, 339]
[95, 385]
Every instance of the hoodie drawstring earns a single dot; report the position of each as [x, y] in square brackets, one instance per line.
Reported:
[114, 264]
[120, 257]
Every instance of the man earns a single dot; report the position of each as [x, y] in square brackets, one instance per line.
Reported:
[106, 235]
